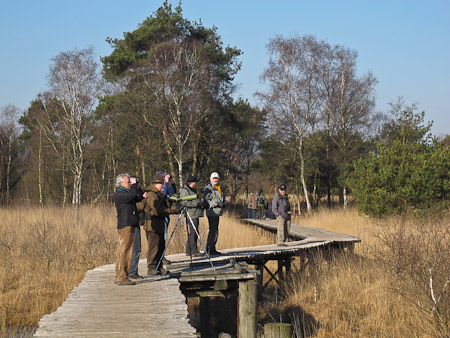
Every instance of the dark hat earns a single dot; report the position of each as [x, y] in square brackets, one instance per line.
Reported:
[282, 186]
[191, 179]
[158, 178]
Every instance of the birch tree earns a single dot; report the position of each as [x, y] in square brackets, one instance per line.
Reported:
[75, 84]
[8, 147]
[348, 106]
[293, 97]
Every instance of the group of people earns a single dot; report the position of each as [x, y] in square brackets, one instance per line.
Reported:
[155, 207]
[257, 205]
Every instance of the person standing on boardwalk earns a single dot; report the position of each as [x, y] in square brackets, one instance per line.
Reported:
[281, 208]
[249, 206]
[156, 210]
[195, 211]
[125, 199]
[262, 202]
[215, 202]
[169, 189]
[133, 273]
[254, 201]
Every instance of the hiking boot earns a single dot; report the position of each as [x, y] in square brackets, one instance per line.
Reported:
[215, 253]
[135, 276]
[160, 272]
[198, 254]
[125, 282]
[165, 260]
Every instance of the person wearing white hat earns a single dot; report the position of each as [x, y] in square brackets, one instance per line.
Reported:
[214, 204]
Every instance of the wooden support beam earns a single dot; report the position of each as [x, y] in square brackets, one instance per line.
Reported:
[247, 309]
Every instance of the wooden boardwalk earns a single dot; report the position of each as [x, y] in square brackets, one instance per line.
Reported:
[306, 233]
[97, 307]
[302, 238]
[155, 306]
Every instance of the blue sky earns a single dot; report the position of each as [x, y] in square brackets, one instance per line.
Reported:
[405, 44]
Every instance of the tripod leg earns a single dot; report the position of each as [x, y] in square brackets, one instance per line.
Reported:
[201, 242]
[188, 244]
[168, 242]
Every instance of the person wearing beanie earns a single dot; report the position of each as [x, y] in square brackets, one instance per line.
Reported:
[282, 211]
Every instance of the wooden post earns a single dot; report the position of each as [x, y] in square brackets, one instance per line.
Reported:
[259, 277]
[280, 270]
[247, 309]
[277, 330]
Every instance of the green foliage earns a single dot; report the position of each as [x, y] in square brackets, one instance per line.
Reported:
[164, 26]
[402, 178]
[405, 125]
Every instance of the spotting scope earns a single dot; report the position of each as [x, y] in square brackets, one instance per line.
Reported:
[185, 198]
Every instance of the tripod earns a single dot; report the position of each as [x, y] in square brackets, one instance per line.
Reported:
[187, 217]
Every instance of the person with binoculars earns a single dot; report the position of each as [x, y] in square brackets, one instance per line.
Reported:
[156, 208]
[125, 199]
[282, 210]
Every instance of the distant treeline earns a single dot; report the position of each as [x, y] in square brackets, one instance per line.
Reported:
[163, 100]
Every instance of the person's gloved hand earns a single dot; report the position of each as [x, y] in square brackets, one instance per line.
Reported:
[222, 204]
[175, 210]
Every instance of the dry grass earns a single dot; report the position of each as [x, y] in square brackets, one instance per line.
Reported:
[46, 252]
[348, 222]
[352, 296]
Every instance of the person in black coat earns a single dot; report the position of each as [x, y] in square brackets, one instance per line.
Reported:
[125, 199]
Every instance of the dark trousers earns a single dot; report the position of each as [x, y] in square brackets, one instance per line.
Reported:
[213, 234]
[156, 246]
[191, 244]
[136, 252]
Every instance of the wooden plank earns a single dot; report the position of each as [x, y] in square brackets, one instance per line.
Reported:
[303, 232]
[154, 307]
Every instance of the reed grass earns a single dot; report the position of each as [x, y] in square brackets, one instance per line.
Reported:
[47, 251]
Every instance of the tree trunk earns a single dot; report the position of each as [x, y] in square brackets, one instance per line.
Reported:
[302, 178]
[344, 197]
[41, 197]
[169, 153]
[64, 180]
[8, 170]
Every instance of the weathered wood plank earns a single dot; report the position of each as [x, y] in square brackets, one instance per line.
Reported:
[154, 307]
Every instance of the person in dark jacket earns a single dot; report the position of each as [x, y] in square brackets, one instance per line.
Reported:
[214, 198]
[125, 199]
[262, 202]
[282, 211]
[169, 189]
[195, 211]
